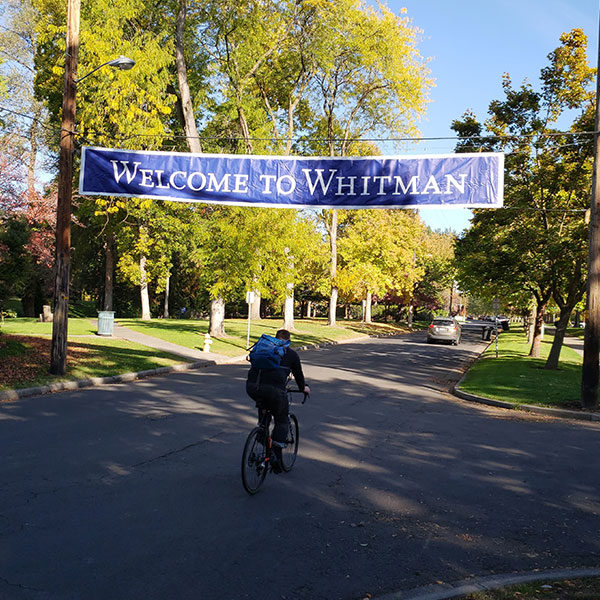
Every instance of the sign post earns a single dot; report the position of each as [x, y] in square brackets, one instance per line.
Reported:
[249, 302]
[496, 306]
[364, 308]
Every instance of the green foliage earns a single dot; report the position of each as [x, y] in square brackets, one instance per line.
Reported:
[538, 244]
[378, 249]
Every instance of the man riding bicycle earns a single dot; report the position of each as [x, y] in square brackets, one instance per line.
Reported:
[267, 387]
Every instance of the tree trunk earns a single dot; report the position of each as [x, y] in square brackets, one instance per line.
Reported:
[288, 310]
[309, 309]
[559, 336]
[332, 307]
[368, 304]
[32, 152]
[144, 290]
[191, 131]
[255, 307]
[166, 305]
[216, 326]
[409, 318]
[109, 270]
[333, 272]
[540, 311]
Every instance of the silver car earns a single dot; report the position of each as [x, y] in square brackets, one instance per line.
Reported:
[444, 329]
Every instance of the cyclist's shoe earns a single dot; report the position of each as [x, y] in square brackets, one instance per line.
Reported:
[276, 457]
[275, 464]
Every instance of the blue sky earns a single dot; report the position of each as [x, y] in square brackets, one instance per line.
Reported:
[472, 43]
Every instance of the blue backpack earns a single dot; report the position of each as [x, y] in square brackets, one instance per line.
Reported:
[268, 352]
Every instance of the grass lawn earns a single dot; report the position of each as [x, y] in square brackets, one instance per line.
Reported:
[514, 377]
[24, 360]
[31, 326]
[564, 589]
[190, 333]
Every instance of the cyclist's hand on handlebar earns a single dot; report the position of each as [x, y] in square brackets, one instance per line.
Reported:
[306, 393]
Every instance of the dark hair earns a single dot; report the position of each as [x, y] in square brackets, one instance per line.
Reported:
[283, 334]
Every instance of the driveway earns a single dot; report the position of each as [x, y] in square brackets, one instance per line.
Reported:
[133, 491]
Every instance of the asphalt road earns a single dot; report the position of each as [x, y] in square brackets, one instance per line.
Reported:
[133, 491]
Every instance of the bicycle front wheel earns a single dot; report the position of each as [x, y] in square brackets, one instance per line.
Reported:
[290, 452]
[254, 464]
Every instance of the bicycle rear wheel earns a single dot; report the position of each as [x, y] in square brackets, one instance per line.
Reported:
[254, 465]
[289, 453]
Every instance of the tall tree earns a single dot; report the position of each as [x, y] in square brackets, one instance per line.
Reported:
[546, 182]
[378, 249]
[370, 79]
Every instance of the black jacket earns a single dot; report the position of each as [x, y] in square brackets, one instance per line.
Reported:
[278, 377]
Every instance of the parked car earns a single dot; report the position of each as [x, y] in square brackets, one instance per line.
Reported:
[444, 329]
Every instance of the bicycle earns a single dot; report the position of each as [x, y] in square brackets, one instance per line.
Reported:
[257, 457]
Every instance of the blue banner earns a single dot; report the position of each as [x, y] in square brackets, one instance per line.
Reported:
[454, 180]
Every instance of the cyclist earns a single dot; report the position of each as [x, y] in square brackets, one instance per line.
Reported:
[267, 388]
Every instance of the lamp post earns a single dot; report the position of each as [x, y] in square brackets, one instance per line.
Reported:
[58, 354]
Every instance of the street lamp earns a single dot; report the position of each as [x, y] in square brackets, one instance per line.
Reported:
[123, 63]
[58, 354]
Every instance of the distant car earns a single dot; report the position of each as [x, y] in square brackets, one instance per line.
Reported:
[444, 329]
[503, 322]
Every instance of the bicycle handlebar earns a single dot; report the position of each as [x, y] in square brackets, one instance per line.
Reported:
[306, 396]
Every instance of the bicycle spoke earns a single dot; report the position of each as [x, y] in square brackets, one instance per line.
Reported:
[290, 452]
[254, 467]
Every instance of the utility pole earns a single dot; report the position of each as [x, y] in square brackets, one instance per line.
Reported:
[58, 357]
[591, 345]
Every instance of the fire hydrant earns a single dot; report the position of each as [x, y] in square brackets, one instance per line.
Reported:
[207, 343]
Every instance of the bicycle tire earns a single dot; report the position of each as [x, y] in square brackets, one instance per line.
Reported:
[254, 463]
[289, 453]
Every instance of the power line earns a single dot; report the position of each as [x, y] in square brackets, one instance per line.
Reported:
[300, 138]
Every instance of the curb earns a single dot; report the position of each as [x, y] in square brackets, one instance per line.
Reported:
[444, 591]
[11, 395]
[97, 381]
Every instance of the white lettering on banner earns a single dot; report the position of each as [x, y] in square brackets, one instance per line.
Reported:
[147, 178]
[160, 184]
[285, 185]
[349, 185]
[313, 186]
[412, 184]
[365, 186]
[433, 184]
[125, 170]
[382, 179]
[172, 180]
[268, 179]
[241, 184]
[459, 186]
[292, 185]
[215, 186]
[190, 179]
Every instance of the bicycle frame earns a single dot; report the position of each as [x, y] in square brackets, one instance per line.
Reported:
[255, 466]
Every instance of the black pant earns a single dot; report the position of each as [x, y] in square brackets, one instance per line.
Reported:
[275, 399]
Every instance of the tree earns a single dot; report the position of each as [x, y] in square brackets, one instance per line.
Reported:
[113, 107]
[378, 249]
[435, 257]
[28, 119]
[369, 78]
[536, 244]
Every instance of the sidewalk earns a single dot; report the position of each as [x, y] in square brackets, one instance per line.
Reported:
[575, 344]
[190, 354]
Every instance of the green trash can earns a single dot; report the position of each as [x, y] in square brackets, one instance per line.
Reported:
[106, 322]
